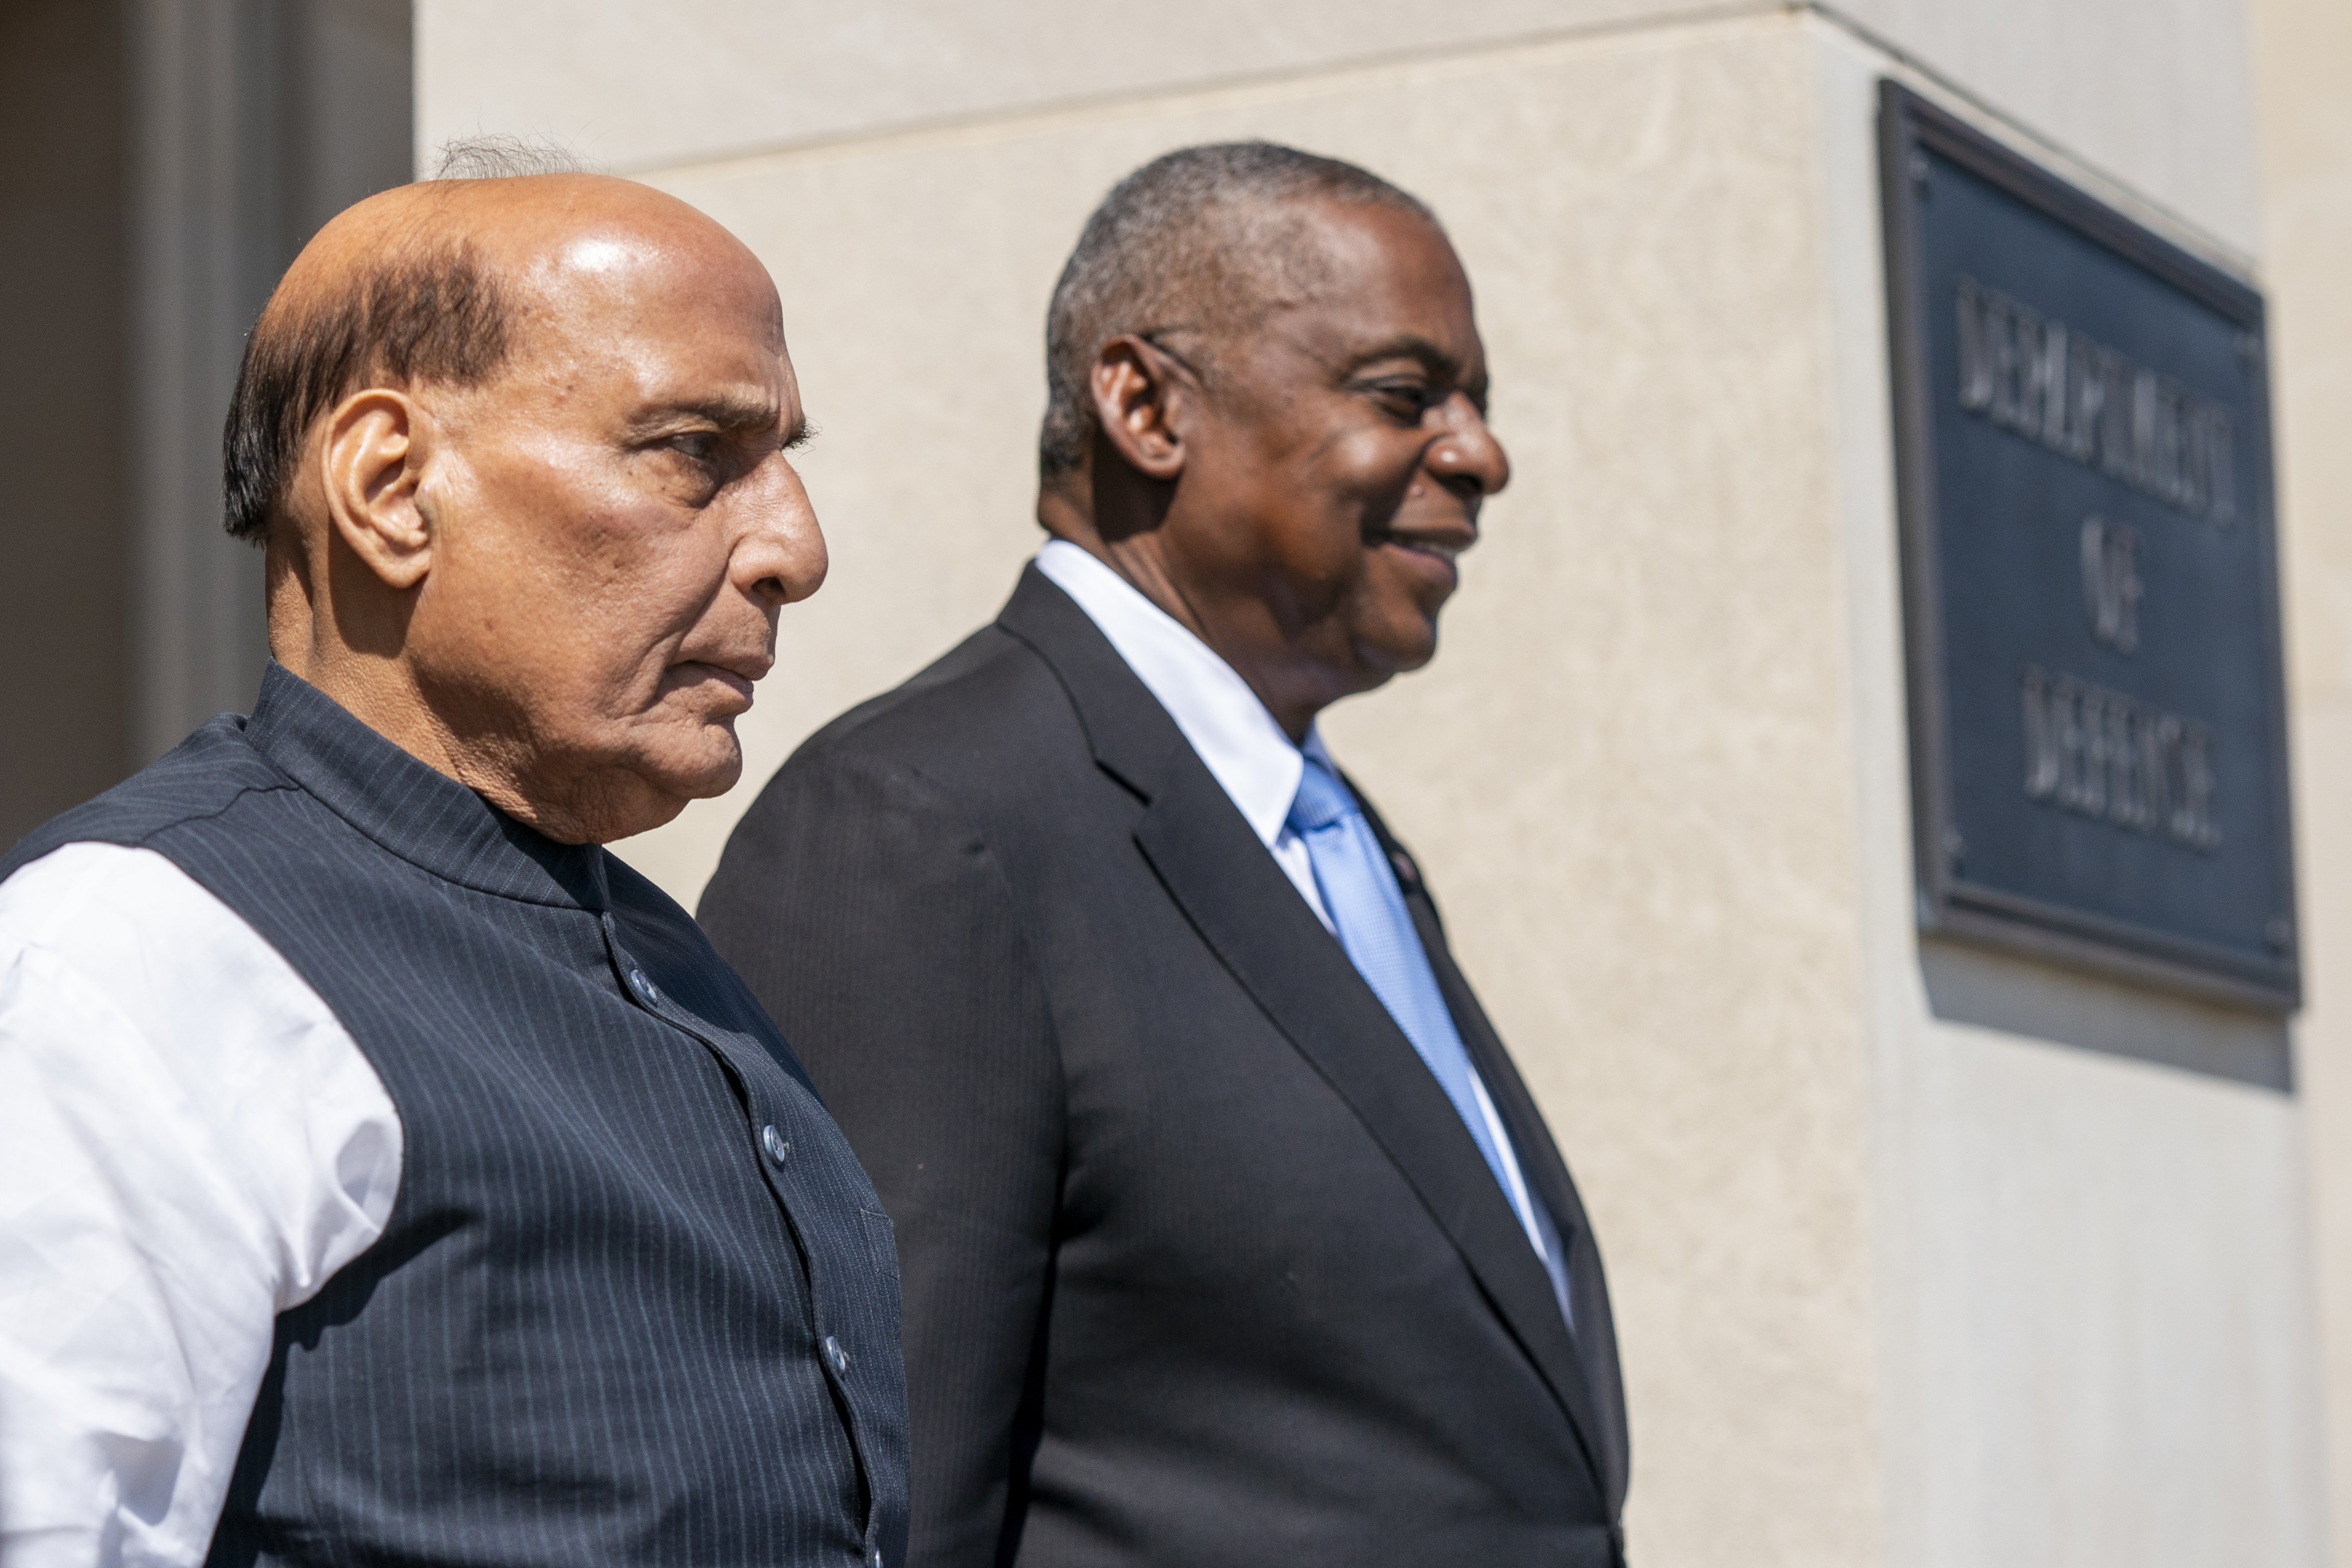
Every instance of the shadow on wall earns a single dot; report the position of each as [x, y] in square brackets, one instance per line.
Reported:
[1991, 991]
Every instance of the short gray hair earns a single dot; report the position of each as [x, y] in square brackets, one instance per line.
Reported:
[1191, 242]
[500, 155]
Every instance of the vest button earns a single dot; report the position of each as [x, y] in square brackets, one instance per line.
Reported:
[644, 987]
[835, 1357]
[774, 1142]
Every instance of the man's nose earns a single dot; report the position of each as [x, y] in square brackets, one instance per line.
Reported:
[780, 557]
[1468, 456]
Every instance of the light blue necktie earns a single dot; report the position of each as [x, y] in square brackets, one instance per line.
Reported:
[1360, 894]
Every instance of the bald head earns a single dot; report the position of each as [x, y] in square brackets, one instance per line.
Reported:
[439, 282]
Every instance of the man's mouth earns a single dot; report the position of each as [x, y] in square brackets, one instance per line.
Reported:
[736, 677]
[1444, 549]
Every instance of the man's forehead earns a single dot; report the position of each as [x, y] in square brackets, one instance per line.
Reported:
[709, 314]
[1390, 288]
[1368, 245]
[633, 270]
[602, 253]
[659, 365]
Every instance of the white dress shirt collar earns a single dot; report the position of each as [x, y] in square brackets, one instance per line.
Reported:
[1228, 726]
[1259, 768]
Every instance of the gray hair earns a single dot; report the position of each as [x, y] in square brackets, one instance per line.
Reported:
[502, 155]
[1194, 242]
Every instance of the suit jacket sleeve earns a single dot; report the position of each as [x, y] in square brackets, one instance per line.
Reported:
[876, 925]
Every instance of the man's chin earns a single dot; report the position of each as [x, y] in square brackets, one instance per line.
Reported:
[659, 787]
[1410, 648]
[714, 768]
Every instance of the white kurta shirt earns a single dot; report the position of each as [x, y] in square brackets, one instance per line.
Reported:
[190, 1144]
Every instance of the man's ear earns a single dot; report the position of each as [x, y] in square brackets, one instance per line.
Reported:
[371, 460]
[1141, 395]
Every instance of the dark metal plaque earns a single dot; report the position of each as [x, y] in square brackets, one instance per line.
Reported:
[2098, 725]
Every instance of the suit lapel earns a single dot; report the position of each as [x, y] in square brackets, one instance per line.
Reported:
[1236, 895]
[1539, 1159]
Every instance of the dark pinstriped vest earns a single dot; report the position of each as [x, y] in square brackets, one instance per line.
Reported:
[636, 1302]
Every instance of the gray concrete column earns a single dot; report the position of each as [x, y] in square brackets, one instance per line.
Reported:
[253, 121]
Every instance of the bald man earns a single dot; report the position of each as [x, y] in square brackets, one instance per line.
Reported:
[1232, 1235]
[388, 1174]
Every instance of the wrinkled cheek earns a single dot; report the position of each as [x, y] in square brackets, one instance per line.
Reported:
[639, 623]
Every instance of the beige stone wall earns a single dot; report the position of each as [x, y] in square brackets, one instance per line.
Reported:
[2155, 92]
[2096, 1339]
[1901, 1280]
[2304, 60]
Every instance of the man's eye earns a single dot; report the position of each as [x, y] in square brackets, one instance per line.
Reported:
[697, 446]
[1407, 399]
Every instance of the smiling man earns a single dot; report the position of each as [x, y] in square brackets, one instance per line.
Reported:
[1231, 1234]
[388, 1174]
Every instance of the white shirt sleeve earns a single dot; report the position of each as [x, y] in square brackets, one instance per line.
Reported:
[190, 1144]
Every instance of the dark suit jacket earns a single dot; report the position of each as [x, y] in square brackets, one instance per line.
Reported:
[1201, 1266]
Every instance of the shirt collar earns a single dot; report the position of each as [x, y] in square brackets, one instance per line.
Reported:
[422, 815]
[1245, 749]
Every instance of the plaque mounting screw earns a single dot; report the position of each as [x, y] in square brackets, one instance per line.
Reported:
[2281, 932]
[1919, 170]
[1955, 848]
[2249, 353]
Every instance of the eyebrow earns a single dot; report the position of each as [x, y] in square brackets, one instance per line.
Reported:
[731, 413]
[1432, 358]
[1406, 346]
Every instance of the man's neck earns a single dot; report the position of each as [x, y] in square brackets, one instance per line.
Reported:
[1138, 561]
[384, 694]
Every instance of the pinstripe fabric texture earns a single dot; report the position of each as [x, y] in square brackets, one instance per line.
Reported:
[612, 1320]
